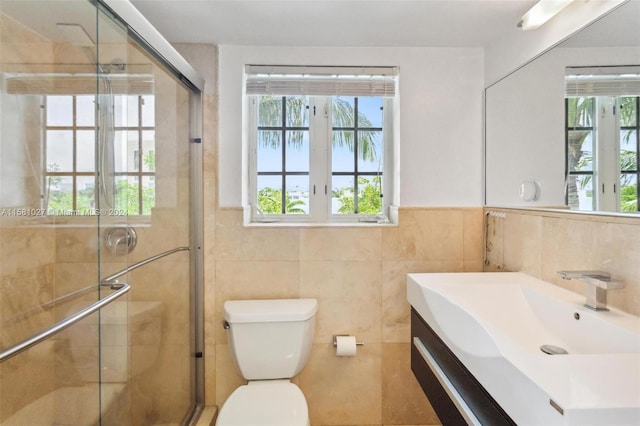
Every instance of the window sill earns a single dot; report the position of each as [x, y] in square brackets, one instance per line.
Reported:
[318, 225]
[345, 223]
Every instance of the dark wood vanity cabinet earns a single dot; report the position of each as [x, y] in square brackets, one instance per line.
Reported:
[487, 411]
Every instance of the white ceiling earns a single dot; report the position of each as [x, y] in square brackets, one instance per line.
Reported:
[432, 23]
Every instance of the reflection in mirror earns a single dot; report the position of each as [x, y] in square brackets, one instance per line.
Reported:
[568, 122]
[602, 138]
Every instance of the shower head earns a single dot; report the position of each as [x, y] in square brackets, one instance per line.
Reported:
[76, 35]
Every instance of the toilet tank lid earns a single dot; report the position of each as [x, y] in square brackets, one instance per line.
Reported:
[272, 310]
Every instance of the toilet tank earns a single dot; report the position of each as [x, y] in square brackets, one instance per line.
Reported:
[270, 339]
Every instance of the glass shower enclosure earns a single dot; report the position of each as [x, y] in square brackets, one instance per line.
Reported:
[99, 219]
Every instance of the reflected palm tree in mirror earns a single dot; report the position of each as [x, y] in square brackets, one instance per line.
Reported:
[580, 126]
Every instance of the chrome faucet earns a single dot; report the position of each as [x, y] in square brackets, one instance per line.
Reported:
[598, 282]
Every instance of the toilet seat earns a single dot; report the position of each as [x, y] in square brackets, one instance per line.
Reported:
[265, 402]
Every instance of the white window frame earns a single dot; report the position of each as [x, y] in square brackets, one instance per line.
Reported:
[320, 174]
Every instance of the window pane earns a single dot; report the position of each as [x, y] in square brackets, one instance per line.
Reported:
[342, 155]
[580, 112]
[85, 194]
[270, 194]
[629, 193]
[133, 152]
[580, 190]
[580, 149]
[269, 151]
[148, 111]
[121, 150]
[59, 151]
[126, 194]
[86, 151]
[369, 112]
[148, 194]
[628, 150]
[85, 111]
[270, 111]
[126, 111]
[370, 151]
[343, 111]
[342, 195]
[297, 153]
[369, 191]
[297, 198]
[60, 195]
[297, 111]
[59, 110]
[148, 149]
[628, 112]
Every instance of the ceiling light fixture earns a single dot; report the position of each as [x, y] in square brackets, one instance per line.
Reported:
[541, 12]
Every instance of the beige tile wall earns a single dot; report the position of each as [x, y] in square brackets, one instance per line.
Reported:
[540, 243]
[358, 276]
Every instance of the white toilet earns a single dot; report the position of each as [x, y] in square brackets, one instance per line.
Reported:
[270, 342]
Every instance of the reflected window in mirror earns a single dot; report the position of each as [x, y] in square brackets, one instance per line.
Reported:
[602, 142]
[72, 145]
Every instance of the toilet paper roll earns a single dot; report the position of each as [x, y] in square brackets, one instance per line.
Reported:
[345, 346]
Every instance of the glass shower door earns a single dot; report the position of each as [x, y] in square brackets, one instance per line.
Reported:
[49, 241]
[95, 195]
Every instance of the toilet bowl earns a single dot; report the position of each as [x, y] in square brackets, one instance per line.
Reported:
[276, 403]
[270, 342]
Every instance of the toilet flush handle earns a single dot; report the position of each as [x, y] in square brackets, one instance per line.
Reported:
[225, 325]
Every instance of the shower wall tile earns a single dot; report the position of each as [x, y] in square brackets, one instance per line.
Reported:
[165, 282]
[24, 248]
[70, 277]
[21, 297]
[162, 393]
[77, 244]
[26, 377]
[20, 45]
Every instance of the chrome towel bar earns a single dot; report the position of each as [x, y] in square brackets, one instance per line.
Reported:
[59, 326]
[110, 281]
[130, 268]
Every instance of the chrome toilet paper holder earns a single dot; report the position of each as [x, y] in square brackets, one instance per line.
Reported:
[335, 340]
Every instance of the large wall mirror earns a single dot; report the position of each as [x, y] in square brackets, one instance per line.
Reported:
[563, 131]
